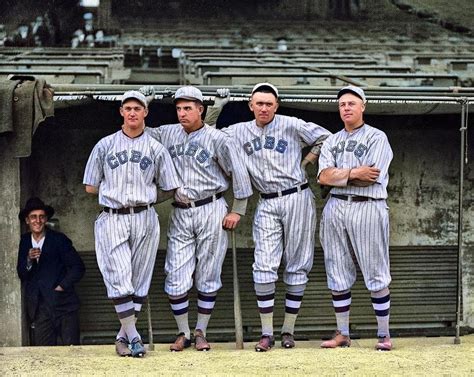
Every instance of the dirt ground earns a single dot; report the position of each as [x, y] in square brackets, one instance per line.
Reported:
[411, 356]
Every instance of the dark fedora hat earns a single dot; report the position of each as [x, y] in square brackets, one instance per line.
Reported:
[34, 204]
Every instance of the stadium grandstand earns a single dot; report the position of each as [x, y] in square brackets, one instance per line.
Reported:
[414, 59]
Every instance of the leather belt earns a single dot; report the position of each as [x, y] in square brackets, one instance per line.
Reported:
[284, 192]
[197, 203]
[352, 198]
[127, 210]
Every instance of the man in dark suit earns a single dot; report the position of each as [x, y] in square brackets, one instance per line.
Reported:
[49, 266]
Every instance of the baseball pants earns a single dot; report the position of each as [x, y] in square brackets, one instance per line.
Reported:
[197, 245]
[126, 248]
[356, 232]
[284, 228]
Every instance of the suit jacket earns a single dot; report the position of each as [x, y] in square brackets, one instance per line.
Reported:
[59, 264]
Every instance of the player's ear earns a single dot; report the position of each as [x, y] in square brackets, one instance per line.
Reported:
[121, 111]
[363, 106]
[251, 106]
[146, 111]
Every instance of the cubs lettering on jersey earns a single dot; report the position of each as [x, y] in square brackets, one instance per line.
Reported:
[268, 142]
[192, 150]
[120, 158]
[353, 146]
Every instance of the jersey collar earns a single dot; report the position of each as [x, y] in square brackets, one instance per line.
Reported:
[134, 137]
[356, 129]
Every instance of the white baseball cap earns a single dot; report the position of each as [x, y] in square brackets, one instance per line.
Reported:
[354, 90]
[135, 94]
[265, 86]
[190, 93]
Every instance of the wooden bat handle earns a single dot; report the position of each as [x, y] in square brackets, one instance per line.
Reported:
[239, 332]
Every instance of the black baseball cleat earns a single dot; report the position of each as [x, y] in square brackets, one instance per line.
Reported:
[137, 348]
[287, 340]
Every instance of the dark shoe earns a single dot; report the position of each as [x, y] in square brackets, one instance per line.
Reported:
[200, 342]
[338, 340]
[265, 344]
[137, 348]
[121, 347]
[384, 344]
[287, 340]
[180, 343]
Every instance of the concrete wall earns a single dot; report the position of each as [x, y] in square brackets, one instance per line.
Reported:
[423, 185]
[10, 290]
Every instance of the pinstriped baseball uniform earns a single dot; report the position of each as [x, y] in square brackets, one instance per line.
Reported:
[283, 226]
[197, 243]
[359, 228]
[127, 170]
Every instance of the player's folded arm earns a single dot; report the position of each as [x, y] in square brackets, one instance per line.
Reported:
[332, 176]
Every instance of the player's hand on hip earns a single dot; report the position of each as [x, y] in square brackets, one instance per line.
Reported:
[365, 174]
[231, 220]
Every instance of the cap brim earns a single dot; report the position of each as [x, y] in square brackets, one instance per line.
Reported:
[188, 99]
[144, 104]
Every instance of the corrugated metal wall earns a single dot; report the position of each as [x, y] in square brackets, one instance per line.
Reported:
[423, 294]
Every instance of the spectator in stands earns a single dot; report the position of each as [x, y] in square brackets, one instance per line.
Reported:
[78, 38]
[88, 23]
[282, 45]
[54, 27]
[84, 36]
[49, 266]
[40, 32]
[99, 38]
[89, 29]
[23, 36]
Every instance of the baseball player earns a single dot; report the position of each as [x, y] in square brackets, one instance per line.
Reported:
[204, 158]
[285, 218]
[124, 169]
[355, 220]
[212, 113]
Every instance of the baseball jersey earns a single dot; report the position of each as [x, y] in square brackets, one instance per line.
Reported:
[127, 170]
[272, 153]
[366, 146]
[204, 159]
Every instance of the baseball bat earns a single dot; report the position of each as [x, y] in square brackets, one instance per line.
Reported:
[151, 345]
[239, 332]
